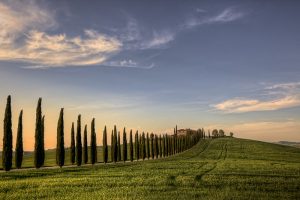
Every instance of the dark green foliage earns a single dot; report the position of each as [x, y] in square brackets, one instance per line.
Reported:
[152, 145]
[221, 133]
[7, 137]
[85, 146]
[115, 144]
[72, 144]
[119, 147]
[131, 146]
[60, 145]
[167, 145]
[112, 146]
[137, 149]
[148, 146]
[19, 143]
[143, 146]
[156, 148]
[39, 151]
[215, 133]
[160, 146]
[164, 146]
[124, 145]
[105, 148]
[78, 142]
[43, 142]
[93, 143]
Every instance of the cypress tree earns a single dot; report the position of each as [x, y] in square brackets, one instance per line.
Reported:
[115, 144]
[160, 146]
[140, 145]
[85, 146]
[143, 146]
[19, 143]
[119, 147]
[124, 145]
[78, 142]
[93, 143]
[131, 146]
[7, 137]
[152, 145]
[167, 145]
[60, 146]
[137, 151]
[164, 147]
[72, 150]
[112, 153]
[156, 147]
[39, 143]
[43, 141]
[105, 149]
[148, 147]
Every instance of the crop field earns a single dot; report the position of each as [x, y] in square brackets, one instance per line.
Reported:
[224, 168]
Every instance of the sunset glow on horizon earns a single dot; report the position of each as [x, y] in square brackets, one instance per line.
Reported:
[232, 66]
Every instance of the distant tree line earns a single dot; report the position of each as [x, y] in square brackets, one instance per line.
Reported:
[141, 146]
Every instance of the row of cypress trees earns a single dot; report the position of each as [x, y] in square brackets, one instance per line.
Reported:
[144, 146]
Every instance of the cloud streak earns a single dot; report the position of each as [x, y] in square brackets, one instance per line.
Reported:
[227, 15]
[128, 64]
[290, 98]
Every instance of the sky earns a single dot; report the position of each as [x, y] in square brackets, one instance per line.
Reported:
[150, 65]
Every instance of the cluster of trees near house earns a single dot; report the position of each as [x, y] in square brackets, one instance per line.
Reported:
[218, 133]
[141, 145]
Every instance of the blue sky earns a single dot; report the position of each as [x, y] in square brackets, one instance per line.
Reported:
[149, 65]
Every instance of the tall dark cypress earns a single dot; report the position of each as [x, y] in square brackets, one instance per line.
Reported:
[78, 142]
[156, 147]
[124, 145]
[112, 149]
[143, 146]
[152, 145]
[164, 146]
[85, 146]
[43, 141]
[39, 143]
[93, 143]
[72, 148]
[131, 146]
[140, 145]
[104, 146]
[160, 146]
[148, 147]
[60, 145]
[115, 144]
[7, 137]
[137, 150]
[167, 145]
[119, 147]
[19, 143]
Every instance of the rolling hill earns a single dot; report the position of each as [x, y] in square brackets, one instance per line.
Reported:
[224, 168]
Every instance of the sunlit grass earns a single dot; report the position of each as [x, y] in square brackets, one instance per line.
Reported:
[214, 169]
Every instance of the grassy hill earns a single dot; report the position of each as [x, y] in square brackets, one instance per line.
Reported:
[225, 168]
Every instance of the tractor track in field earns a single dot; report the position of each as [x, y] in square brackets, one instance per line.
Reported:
[205, 147]
[222, 156]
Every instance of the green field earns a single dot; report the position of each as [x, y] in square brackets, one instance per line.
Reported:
[224, 168]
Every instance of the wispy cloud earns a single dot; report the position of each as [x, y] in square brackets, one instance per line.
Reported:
[290, 97]
[249, 105]
[159, 40]
[227, 15]
[22, 39]
[128, 63]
